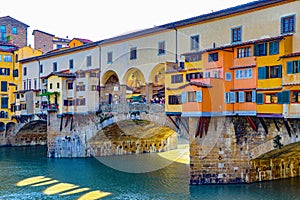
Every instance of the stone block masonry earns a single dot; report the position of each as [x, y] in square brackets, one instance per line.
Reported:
[233, 152]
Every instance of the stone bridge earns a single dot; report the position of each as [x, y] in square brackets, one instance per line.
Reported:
[243, 149]
[117, 129]
[238, 149]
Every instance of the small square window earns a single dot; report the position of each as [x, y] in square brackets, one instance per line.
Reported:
[195, 42]
[14, 30]
[109, 57]
[288, 24]
[89, 61]
[236, 34]
[133, 53]
[71, 64]
[162, 48]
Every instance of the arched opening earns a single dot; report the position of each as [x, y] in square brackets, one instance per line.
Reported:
[135, 85]
[110, 91]
[157, 79]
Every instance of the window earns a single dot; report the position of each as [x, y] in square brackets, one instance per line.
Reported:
[70, 85]
[94, 87]
[213, 57]
[195, 42]
[271, 98]
[270, 72]
[71, 64]
[69, 102]
[133, 53]
[230, 97]
[178, 78]
[207, 74]
[3, 86]
[244, 52]
[81, 74]
[4, 71]
[296, 97]
[191, 96]
[41, 68]
[193, 58]
[80, 102]
[55, 66]
[248, 96]
[57, 85]
[29, 84]
[288, 24]
[243, 73]
[228, 76]
[24, 85]
[93, 74]
[3, 33]
[174, 99]
[50, 86]
[80, 87]
[35, 83]
[17, 58]
[194, 76]
[162, 48]
[4, 102]
[7, 58]
[15, 73]
[260, 49]
[59, 46]
[14, 30]
[236, 34]
[274, 48]
[293, 67]
[89, 61]
[25, 71]
[109, 57]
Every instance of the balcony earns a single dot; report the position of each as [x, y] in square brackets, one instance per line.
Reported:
[50, 107]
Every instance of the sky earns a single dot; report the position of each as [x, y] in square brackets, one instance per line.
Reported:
[98, 19]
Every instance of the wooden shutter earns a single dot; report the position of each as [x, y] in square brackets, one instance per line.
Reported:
[262, 73]
[286, 97]
[198, 96]
[279, 71]
[260, 98]
[253, 96]
[289, 67]
[183, 97]
[241, 96]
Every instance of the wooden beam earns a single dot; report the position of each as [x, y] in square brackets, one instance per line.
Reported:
[172, 120]
[288, 128]
[276, 124]
[262, 121]
[254, 127]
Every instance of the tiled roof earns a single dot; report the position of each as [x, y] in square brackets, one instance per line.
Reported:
[13, 19]
[36, 30]
[291, 55]
[84, 41]
[171, 26]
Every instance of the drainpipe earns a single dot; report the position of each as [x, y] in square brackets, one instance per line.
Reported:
[176, 42]
[99, 79]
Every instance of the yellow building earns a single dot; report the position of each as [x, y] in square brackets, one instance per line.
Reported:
[291, 85]
[8, 86]
[269, 86]
[177, 75]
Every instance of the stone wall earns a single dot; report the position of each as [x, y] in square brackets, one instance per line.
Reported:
[232, 151]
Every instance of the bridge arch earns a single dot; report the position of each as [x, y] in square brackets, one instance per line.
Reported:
[31, 133]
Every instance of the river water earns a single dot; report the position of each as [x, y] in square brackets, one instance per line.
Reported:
[170, 182]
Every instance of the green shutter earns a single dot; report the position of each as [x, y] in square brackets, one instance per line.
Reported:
[279, 97]
[286, 97]
[198, 96]
[274, 48]
[183, 97]
[280, 71]
[262, 73]
[260, 98]
[289, 67]
[256, 50]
